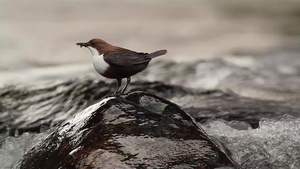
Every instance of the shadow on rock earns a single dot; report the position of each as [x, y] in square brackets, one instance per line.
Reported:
[140, 130]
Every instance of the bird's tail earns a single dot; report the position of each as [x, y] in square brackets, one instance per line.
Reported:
[157, 53]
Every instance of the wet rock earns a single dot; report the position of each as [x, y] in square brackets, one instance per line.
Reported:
[28, 108]
[140, 130]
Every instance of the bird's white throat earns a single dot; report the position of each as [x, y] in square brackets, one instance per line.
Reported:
[98, 61]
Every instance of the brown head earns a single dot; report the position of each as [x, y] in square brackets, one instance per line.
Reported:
[100, 45]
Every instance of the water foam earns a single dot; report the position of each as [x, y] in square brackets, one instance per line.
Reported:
[13, 148]
[275, 144]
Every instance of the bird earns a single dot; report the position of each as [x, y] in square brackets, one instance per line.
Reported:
[116, 62]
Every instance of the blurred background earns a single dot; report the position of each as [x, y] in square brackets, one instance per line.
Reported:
[37, 33]
[249, 47]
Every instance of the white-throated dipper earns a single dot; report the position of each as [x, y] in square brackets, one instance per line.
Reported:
[117, 63]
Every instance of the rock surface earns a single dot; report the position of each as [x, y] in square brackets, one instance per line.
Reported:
[140, 130]
[28, 108]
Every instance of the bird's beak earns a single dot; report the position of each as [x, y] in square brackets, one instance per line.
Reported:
[83, 44]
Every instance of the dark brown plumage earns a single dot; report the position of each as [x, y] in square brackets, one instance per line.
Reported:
[116, 62]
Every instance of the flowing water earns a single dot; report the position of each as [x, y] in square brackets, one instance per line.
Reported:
[225, 59]
[273, 142]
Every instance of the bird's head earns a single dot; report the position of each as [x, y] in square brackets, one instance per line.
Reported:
[96, 46]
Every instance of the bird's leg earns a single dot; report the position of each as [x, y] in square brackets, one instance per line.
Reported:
[118, 85]
[128, 81]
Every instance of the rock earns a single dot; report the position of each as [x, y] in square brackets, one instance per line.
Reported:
[28, 108]
[140, 130]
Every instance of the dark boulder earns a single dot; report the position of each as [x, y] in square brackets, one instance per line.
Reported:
[140, 130]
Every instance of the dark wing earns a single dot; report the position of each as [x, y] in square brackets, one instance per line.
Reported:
[124, 57]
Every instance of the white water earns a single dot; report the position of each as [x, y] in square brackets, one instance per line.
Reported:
[275, 144]
[13, 148]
